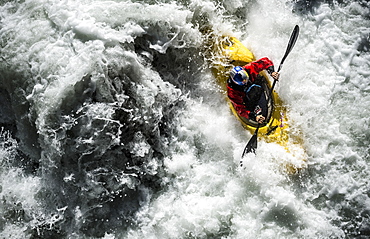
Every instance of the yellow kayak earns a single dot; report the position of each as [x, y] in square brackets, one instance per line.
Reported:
[276, 128]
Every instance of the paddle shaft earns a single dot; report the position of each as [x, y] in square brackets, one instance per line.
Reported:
[252, 143]
[292, 41]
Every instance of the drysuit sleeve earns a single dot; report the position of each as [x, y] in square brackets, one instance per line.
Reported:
[263, 64]
[243, 112]
[236, 97]
[256, 67]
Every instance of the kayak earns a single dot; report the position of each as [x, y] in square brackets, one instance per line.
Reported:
[276, 128]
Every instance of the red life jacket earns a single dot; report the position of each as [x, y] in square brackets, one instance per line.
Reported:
[236, 93]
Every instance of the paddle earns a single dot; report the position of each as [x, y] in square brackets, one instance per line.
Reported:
[252, 144]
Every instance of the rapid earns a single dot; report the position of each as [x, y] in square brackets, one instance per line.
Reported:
[112, 124]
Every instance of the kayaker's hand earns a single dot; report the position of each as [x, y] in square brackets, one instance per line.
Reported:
[260, 119]
[275, 75]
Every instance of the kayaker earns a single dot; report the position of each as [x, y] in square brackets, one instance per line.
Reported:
[244, 88]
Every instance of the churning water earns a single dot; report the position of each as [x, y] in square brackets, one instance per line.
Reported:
[112, 124]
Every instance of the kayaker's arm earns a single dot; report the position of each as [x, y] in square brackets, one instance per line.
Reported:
[263, 64]
[256, 67]
[242, 111]
[237, 99]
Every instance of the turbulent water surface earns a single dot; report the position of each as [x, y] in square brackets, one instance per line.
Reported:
[113, 126]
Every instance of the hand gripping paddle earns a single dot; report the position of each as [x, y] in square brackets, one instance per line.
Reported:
[252, 144]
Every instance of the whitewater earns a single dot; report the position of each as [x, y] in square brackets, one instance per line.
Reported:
[112, 124]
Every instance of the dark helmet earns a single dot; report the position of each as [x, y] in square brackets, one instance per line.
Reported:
[239, 75]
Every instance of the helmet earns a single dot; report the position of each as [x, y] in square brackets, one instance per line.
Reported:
[239, 75]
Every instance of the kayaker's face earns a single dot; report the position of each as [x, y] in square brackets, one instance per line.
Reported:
[244, 82]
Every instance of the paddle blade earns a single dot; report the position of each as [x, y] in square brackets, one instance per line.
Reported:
[251, 146]
[292, 41]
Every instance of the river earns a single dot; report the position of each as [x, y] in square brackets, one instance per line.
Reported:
[113, 126]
